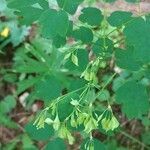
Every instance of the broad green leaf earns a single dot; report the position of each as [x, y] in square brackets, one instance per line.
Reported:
[54, 23]
[82, 55]
[44, 4]
[135, 31]
[117, 83]
[66, 103]
[24, 10]
[69, 6]
[48, 23]
[126, 59]
[75, 84]
[104, 95]
[83, 34]
[56, 144]
[134, 99]
[48, 88]
[119, 18]
[26, 18]
[98, 145]
[91, 16]
[59, 41]
[70, 29]
[40, 134]
[17, 4]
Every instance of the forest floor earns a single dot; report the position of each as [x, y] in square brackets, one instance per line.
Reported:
[143, 6]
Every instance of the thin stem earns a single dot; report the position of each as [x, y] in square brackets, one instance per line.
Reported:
[83, 93]
[106, 84]
[63, 96]
[119, 41]
[112, 31]
[126, 23]
[95, 33]
[134, 139]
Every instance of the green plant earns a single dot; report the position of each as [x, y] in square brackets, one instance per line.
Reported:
[70, 66]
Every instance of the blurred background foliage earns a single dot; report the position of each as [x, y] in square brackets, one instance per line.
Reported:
[40, 62]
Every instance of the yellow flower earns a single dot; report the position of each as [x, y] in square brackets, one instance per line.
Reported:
[5, 32]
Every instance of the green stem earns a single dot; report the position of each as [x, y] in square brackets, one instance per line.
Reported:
[63, 96]
[126, 23]
[119, 41]
[106, 84]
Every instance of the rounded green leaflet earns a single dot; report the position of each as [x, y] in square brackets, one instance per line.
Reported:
[20, 4]
[119, 18]
[24, 8]
[48, 88]
[44, 4]
[91, 16]
[126, 59]
[103, 46]
[83, 34]
[69, 6]
[59, 41]
[135, 31]
[54, 23]
[134, 99]
[82, 55]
